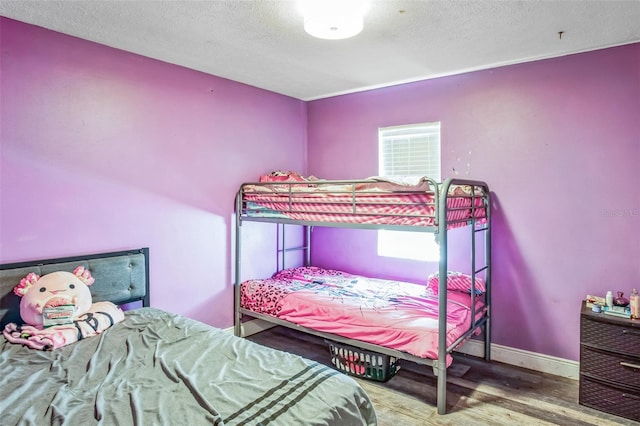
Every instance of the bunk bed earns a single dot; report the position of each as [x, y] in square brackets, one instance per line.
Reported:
[287, 198]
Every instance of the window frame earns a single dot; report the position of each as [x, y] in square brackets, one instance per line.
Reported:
[409, 245]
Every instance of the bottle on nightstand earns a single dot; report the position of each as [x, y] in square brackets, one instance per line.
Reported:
[634, 304]
[609, 299]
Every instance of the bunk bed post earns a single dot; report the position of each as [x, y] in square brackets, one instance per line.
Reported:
[441, 368]
[237, 329]
[307, 244]
[487, 257]
[282, 248]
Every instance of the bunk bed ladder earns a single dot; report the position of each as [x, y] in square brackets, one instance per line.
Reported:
[477, 228]
[440, 366]
[475, 270]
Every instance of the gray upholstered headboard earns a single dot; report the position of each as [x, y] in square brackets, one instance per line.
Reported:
[120, 277]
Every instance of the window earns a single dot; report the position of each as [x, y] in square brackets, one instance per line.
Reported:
[409, 151]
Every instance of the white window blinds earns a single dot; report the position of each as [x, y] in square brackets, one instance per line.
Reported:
[410, 150]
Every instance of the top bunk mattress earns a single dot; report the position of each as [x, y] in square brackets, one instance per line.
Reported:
[393, 314]
[374, 201]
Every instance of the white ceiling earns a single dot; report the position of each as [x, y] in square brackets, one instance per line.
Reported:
[262, 43]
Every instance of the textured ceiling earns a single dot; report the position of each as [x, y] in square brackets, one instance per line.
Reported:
[262, 43]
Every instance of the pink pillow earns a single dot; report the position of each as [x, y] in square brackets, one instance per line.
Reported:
[456, 281]
[282, 176]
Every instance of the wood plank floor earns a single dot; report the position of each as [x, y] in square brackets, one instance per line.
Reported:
[478, 392]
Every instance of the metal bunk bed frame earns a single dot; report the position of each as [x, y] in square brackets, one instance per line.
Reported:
[440, 229]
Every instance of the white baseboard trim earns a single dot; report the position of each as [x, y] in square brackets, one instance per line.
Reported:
[512, 356]
[252, 327]
[521, 358]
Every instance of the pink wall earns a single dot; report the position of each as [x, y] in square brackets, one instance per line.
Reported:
[558, 141]
[104, 150]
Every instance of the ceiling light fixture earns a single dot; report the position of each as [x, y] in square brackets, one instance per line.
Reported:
[333, 19]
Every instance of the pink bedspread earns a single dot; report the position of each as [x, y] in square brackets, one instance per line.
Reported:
[377, 201]
[392, 314]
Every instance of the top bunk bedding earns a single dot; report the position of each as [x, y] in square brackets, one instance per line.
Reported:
[372, 201]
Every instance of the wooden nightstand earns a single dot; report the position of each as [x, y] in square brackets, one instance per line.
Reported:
[610, 363]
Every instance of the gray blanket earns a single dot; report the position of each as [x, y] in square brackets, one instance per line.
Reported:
[156, 368]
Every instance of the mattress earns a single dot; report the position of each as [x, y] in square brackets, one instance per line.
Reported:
[376, 201]
[158, 368]
[393, 314]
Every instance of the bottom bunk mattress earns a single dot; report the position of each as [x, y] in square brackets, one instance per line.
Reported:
[159, 368]
[392, 314]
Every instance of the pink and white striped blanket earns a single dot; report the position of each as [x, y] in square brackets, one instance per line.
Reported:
[380, 201]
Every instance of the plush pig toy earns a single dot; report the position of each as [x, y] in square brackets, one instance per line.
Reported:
[59, 289]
